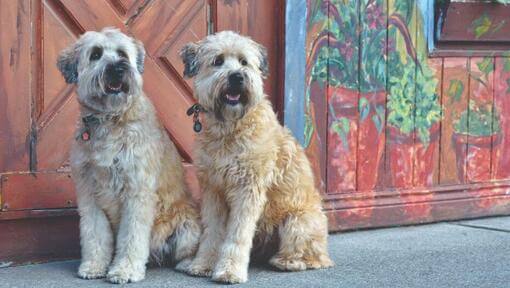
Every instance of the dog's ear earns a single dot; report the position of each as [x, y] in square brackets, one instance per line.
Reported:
[140, 55]
[189, 57]
[264, 65]
[67, 63]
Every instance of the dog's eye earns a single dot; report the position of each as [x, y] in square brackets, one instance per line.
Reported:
[243, 61]
[218, 61]
[122, 54]
[96, 54]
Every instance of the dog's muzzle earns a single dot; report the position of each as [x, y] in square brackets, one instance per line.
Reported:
[234, 93]
[116, 77]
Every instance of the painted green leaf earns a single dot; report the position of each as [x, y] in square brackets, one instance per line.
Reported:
[455, 90]
[486, 65]
[364, 108]
[481, 25]
[308, 130]
[342, 127]
[507, 65]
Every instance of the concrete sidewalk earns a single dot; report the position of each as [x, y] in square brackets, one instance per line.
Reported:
[457, 254]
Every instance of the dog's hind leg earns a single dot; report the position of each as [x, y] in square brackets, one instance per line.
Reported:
[303, 243]
[184, 241]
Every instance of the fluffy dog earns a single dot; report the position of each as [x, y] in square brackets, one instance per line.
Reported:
[132, 198]
[256, 179]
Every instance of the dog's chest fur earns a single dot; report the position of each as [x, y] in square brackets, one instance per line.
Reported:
[241, 157]
[107, 160]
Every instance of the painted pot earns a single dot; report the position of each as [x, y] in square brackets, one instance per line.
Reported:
[371, 142]
[341, 170]
[472, 155]
[404, 149]
[354, 157]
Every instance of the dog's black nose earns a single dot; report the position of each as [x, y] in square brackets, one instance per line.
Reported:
[117, 69]
[236, 79]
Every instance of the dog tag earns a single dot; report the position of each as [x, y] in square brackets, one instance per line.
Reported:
[85, 136]
[197, 126]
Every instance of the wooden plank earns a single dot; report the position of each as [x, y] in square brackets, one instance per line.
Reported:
[372, 103]
[501, 151]
[343, 96]
[315, 96]
[37, 191]
[36, 240]
[399, 152]
[15, 86]
[427, 103]
[480, 134]
[455, 102]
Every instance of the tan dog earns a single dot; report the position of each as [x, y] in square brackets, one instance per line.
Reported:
[129, 179]
[255, 177]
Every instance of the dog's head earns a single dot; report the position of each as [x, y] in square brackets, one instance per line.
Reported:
[228, 71]
[107, 68]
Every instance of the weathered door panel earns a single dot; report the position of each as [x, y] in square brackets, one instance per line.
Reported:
[38, 110]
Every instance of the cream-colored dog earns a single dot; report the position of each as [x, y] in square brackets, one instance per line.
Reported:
[129, 179]
[255, 177]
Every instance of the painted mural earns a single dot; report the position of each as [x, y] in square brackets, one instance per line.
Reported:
[388, 127]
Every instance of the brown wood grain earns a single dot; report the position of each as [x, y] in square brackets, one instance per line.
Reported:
[37, 191]
[33, 240]
[14, 85]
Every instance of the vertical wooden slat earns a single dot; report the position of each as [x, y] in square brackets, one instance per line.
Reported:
[14, 85]
[501, 150]
[399, 145]
[315, 95]
[480, 134]
[372, 103]
[343, 100]
[454, 102]
[426, 159]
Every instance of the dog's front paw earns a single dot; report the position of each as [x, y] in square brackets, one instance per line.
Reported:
[91, 270]
[120, 274]
[285, 264]
[198, 267]
[231, 274]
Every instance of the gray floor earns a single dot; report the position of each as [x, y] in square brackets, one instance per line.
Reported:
[472, 253]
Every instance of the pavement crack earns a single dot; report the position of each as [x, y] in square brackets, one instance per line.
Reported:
[481, 227]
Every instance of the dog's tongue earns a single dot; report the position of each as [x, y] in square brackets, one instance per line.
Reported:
[233, 97]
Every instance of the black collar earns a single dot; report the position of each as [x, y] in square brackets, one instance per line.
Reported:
[90, 123]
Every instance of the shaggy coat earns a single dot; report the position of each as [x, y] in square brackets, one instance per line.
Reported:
[255, 177]
[132, 197]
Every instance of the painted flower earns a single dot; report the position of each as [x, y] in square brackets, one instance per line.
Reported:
[375, 17]
[346, 49]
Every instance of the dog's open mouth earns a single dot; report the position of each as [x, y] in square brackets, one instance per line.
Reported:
[115, 87]
[232, 96]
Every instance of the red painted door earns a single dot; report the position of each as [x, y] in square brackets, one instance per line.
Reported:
[38, 110]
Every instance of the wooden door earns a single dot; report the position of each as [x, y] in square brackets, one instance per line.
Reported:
[396, 136]
[38, 110]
